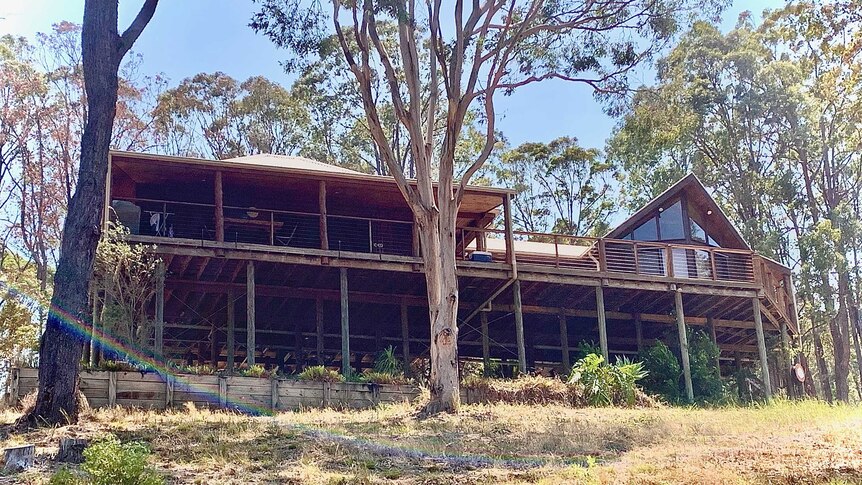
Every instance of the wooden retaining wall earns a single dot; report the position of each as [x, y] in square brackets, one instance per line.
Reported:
[250, 394]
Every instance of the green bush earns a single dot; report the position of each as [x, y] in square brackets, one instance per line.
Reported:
[370, 375]
[319, 373]
[663, 372]
[109, 462]
[605, 384]
[256, 370]
[388, 363]
[705, 377]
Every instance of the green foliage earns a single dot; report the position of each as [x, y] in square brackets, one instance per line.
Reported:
[369, 375]
[586, 348]
[705, 378]
[562, 187]
[127, 273]
[256, 370]
[605, 384]
[663, 372]
[319, 373]
[109, 462]
[388, 363]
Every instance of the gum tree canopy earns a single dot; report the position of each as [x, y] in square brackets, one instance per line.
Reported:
[448, 60]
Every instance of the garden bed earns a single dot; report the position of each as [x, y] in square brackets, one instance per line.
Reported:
[248, 394]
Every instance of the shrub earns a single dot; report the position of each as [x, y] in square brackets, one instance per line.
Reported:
[388, 363]
[705, 377]
[376, 377]
[256, 370]
[663, 372]
[109, 462]
[319, 373]
[604, 384]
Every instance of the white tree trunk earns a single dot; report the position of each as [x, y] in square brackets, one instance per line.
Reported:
[437, 234]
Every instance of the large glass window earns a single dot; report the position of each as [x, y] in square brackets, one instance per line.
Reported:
[646, 231]
[697, 232]
[670, 222]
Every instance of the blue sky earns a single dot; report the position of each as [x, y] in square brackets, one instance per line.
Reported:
[191, 36]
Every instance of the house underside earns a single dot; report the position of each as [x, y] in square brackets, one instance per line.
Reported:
[302, 264]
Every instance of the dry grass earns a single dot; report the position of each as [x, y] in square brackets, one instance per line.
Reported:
[781, 443]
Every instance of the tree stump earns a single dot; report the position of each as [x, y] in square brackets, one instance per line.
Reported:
[71, 450]
[18, 458]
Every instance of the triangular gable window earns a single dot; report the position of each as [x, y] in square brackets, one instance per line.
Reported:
[670, 223]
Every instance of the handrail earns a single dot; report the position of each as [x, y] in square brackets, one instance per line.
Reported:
[604, 255]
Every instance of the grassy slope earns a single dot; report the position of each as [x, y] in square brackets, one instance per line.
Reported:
[782, 443]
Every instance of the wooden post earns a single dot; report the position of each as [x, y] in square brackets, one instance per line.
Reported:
[761, 348]
[345, 326]
[169, 392]
[327, 394]
[740, 386]
[231, 332]
[97, 320]
[510, 235]
[298, 346]
[519, 327]
[160, 310]
[250, 324]
[219, 207]
[405, 336]
[324, 228]
[214, 350]
[785, 348]
[639, 331]
[486, 343]
[15, 389]
[564, 341]
[222, 391]
[273, 393]
[710, 327]
[318, 320]
[603, 323]
[112, 388]
[683, 345]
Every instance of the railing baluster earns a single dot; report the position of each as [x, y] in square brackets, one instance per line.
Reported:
[556, 251]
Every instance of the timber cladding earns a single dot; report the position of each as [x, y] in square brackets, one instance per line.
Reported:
[249, 394]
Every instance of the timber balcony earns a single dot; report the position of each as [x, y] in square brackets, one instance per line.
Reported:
[325, 238]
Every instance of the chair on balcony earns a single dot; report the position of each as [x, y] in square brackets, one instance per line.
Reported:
[283, 238]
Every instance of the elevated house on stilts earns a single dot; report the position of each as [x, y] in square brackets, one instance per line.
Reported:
[288, 262]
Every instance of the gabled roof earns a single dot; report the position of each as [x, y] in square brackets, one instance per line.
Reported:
[697, 195]
[290, 162]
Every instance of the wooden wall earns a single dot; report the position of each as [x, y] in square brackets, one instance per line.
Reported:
[250, 394]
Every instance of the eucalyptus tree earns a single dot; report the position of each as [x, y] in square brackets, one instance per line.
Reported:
[562, 187]
[103, 49]
[825, 42]
[456, 57]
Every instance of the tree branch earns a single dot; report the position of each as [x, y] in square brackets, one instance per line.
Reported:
[137, 26]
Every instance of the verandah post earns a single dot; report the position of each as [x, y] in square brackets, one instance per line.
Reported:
[324, 228]
[519, 327]
[160, 310]
[318, 320]
[219, 207]
[405, 336]
[231, 345]
[564, 341]
[345, 325]
[486, 343]
[639, 331]
[603, 324]
[761, 347]
[250, 324]
[710, 326]
[683, 345]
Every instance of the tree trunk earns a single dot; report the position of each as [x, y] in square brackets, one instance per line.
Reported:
[437, 234]
[68, 324]
[840, 328]
[822, 368]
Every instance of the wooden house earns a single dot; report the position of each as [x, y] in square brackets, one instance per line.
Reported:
[291, 262]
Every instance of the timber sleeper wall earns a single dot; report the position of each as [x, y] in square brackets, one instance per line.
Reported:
[250, 394]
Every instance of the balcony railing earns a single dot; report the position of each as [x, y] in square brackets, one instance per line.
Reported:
[648, 259]
[249, 225]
